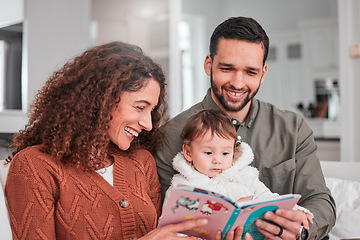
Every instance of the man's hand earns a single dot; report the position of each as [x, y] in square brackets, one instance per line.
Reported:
[289, 220]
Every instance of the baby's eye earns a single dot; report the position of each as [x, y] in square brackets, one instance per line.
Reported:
[208, 153]
[226, 153]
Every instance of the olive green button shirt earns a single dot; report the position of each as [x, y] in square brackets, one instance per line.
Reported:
[284, 153]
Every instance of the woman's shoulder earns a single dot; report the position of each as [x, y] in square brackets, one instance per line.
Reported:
[28, 153]
[35, 151]
[33, 158]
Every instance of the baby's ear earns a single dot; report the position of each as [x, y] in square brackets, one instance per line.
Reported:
[237, 151]
[187, 152]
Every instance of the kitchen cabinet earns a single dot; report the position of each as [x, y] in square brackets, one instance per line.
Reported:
[285, 84]
[328, 149]
[320, 41]
[297, 59]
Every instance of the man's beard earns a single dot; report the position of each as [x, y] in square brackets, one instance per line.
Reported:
[224, 103]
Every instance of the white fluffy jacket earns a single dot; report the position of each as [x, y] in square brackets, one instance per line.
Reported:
[240, 180]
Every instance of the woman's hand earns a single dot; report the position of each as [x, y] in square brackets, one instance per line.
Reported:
[170, 231]
[234, 235]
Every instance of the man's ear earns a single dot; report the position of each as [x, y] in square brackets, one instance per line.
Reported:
[264, 73]
[208, 65]
[187, 152]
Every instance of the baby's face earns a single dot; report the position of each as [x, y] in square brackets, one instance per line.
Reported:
[210, 155]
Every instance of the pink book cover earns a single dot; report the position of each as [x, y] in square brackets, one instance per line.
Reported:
[186, 203]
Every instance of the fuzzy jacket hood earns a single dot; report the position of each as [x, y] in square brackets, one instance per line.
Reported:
[186, 168]
[240, 180]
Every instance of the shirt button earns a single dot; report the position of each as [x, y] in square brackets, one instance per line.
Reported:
[234, 121]
[124, 203]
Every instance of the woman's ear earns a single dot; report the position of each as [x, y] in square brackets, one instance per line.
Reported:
[187, 152]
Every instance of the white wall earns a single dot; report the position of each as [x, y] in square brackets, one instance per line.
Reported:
[11, 12]
[349, 25]
[51, 38]
[53, 32]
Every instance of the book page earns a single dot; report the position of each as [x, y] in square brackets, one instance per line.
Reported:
[187, 205]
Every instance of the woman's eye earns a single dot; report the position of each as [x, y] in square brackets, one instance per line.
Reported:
[140, 108]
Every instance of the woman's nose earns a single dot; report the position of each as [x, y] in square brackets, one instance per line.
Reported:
[146, 122]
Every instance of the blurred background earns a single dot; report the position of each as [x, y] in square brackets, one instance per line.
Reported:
[313, 63]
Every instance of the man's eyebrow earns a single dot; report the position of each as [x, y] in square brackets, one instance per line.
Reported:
[226, 64]
[232, 65]
[254, 69]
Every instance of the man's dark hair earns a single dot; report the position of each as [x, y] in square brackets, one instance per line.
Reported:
[239, 28]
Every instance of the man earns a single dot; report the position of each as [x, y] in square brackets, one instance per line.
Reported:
[283, 144]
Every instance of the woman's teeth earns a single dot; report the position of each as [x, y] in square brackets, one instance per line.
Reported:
[131, 132]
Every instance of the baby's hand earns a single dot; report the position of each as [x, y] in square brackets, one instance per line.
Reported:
[306, 219]
[245, 198]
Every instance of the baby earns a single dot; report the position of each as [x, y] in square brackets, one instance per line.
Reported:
[214, 159]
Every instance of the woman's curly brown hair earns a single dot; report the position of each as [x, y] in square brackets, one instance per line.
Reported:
[71, 113]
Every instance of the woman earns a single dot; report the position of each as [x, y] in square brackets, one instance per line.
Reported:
[82, 167]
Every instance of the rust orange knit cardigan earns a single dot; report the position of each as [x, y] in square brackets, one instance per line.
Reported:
[47, 200]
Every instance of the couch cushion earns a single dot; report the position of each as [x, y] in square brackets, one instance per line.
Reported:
[5, 229]
[347, 197]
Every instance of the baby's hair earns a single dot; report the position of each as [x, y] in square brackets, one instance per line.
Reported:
[208, 119]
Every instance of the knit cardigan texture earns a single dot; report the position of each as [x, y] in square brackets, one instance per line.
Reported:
[48, 200]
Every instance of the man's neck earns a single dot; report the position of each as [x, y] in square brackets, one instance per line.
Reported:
[240, 115]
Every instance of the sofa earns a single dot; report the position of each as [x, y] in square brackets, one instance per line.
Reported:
[343, 179]
[5, 229]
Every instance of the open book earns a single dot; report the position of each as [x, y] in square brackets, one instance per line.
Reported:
[186, 202]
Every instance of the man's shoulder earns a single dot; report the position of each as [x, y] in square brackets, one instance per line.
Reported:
[268, 108]
[272, 116]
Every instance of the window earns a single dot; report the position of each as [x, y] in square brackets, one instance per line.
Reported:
[294, 51]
